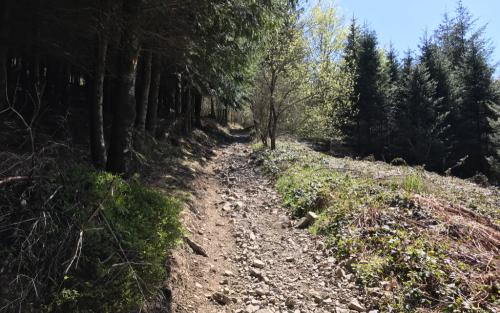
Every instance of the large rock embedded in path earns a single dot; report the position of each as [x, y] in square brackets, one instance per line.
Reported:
[195, 247]
[307, 220]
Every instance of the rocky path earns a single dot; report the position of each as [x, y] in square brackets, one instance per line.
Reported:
[257, 260]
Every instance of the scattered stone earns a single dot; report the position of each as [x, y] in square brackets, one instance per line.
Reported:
[256, 273]
[290, 303]
[274, 265]
[307, 220]
[258, 264]
[262, 291]
[339, 273]
[252, 236]
[228, 273]
[252, 308]
[356, 306]
[221, 298]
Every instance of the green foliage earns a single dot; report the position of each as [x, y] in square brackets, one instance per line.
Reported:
[127, 230]
[436, 109]
[367, 223]
[304, 189]
[413, 182]
[98, 243]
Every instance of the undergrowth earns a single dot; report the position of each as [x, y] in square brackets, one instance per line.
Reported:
[84, 241]
[374, 225]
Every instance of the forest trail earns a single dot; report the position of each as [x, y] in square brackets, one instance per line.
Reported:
[257, 261]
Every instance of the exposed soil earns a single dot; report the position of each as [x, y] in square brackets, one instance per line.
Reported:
[257, 261]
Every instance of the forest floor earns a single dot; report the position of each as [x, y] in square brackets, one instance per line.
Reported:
[257, 262]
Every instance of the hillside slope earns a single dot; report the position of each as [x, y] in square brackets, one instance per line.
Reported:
[413, 239]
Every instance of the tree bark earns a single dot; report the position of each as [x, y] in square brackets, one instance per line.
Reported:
[273, 120]
[187, 109]
[4, 53]
[212, 107]
[178, 95]
[124, 113]
[197, 110]
[152, 116]
[225, 113]
[273, 127]
[143, 93]
[97, 143]
[66, 89]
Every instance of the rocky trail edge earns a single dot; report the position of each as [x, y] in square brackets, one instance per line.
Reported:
[257, 259]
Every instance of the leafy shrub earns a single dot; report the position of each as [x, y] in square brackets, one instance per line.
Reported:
[101, 243]
[304, 189]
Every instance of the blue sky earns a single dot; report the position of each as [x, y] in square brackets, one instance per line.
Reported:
[403, 22]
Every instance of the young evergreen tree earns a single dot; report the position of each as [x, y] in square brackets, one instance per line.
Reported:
[439, 70]
[393, 66]
[371, 112]
[479, 111]
[393, 69]
[350, 67]
[417, 121]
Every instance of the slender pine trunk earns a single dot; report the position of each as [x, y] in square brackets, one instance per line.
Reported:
[124, 113]
[154, 92]
[178, 95]
[212, 107]
[274, 125]
[97, 143]
[197, 110]
[187, 108]
[143, 93]
[4, 53]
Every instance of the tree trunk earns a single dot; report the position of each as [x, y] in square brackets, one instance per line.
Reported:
[187, 109]
[274, 124]
[143, 93]
[273, 120]
[197, 110]
[225, 114]
[212, 107]
[178, 95]
[97, 143]
[66, 89]
[4, 53]
[124, 113]
[152, 116]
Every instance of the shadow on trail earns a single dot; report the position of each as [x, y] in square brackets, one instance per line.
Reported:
[179, 158]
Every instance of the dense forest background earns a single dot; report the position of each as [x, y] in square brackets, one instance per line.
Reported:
[437, 107]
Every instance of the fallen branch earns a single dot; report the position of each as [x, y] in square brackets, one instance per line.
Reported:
[13, 179]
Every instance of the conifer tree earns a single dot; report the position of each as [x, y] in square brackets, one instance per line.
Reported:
[439, 70]
[371, 113]
[350, 67]
[479, 111]
[417, 121]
